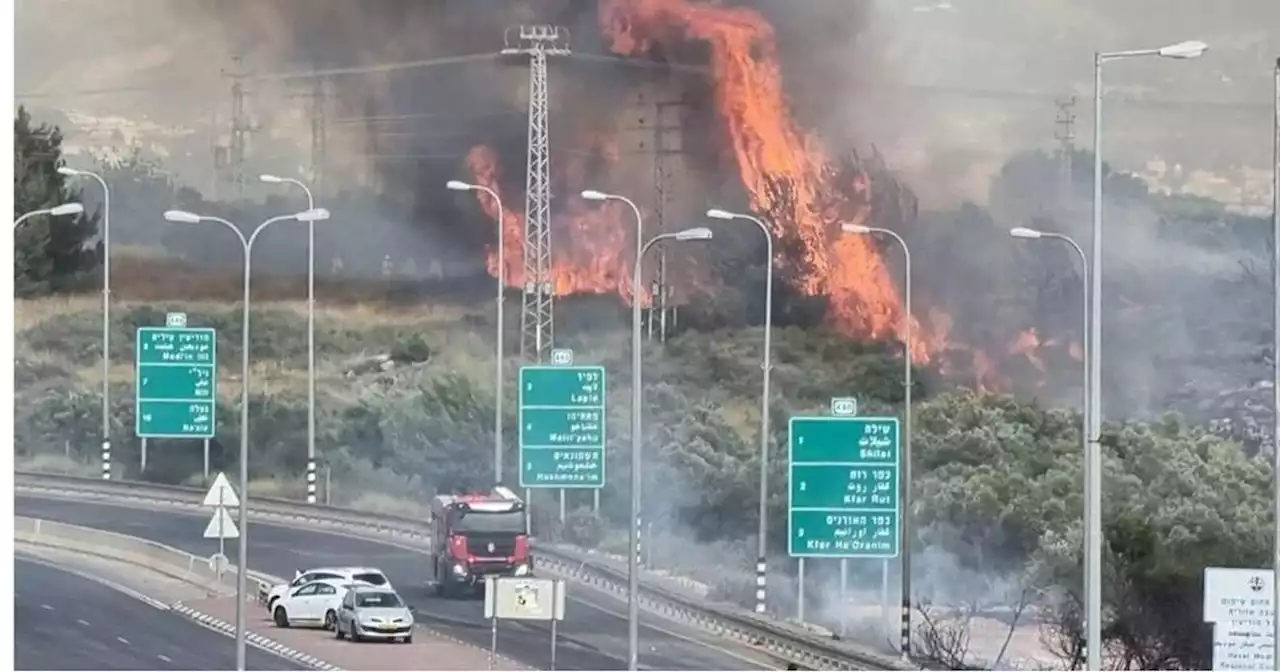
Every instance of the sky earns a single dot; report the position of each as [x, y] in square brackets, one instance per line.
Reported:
[947, 89]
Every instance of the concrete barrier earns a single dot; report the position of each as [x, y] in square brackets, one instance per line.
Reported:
[167, 560]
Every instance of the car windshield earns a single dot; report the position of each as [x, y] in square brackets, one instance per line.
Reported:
[371, 578]
[486, 521]
[378, 600]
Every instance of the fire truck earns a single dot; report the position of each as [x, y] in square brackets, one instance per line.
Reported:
[478, 535]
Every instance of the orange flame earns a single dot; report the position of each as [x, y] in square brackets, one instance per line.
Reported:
[589, 241]
[770, 146]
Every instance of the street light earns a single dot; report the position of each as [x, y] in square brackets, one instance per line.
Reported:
[1034, 234]
[55, 211]
[1093, 456]
[905, 533]
[106, 312]
[599, 196]
[761, 545]
[311, 333]
[242, 561]
[458, 185]
[633, 559]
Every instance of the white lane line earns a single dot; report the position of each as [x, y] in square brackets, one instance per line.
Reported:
[46, 607]
[122, 640]
[163, 657]
[83, 622]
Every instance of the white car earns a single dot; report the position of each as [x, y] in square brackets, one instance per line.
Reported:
[369, 575]
[312, 604]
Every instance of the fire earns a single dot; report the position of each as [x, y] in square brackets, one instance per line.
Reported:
[1027, 344]
[589, 241]
[770, 148]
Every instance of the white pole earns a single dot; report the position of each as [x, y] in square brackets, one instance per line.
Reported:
[1093, 466]
[311, 349]
[800, 585]
[844, 594]
[143, 461]
[1275, 360]
[206, 459]
[106, 324]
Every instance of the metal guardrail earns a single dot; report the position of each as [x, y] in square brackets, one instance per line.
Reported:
[779, 638]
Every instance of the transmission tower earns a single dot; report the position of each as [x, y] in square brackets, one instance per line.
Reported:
[240, 125]
[661, 149]
[1066, 136]
[537, 317]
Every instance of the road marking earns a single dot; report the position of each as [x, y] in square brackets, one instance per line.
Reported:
[122, 640]
[163, 657]
[83, 622]
[46, 607]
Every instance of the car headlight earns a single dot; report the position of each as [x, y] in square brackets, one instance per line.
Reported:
[522, 570]
[460, 569]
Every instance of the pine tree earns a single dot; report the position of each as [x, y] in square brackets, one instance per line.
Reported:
[51, 254]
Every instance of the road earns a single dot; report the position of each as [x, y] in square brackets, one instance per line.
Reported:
[65, 621]
[590, 638]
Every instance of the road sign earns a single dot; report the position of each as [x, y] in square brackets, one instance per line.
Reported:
[221, 526]
[844, 487]
[525, 599]
[1238, 604]
[844, 406]
[221, 493]
[562, 356]
[562, 426]
[175, 320]
[176, 381]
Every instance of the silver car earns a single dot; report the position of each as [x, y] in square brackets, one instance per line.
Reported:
[374, 612]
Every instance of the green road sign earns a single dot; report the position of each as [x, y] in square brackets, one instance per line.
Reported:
[176, 383]
[844, 487]
[562, 426]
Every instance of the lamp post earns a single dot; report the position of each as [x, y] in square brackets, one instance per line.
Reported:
[1275, 362]
[457, 185]
[592, 195]
[55, 211]
[311, 333]
[106, 312]
[762, 532]
[637, 389]
[1093, 456]
[906, 532]
[1086, 351]
[242, 560]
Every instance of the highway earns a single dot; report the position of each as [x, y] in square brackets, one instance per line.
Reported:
[64, 621]
[591, 637]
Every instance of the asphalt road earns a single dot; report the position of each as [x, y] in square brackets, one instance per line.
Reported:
[64, 621]
[590, 637]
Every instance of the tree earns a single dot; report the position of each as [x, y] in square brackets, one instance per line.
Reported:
[51, 254]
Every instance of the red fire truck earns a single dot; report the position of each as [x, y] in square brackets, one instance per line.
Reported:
[478, 535]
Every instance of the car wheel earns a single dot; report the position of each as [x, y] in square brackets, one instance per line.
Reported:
[337, 631]
[408, 640]
[330, 620]
[355, 636]
[281, 618]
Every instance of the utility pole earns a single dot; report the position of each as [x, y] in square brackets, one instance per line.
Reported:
[240, 126]
[661, 289]
[537, 319]
[1066, 136]
[318, 97]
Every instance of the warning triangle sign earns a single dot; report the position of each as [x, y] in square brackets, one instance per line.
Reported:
[221, 494]
[221, 526]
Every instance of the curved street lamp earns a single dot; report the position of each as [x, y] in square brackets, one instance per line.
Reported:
[184, 217]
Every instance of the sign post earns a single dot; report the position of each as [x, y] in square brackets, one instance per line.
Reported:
[525, 599]
[175, 371]
[1238, 603]
[562, 426]
[221, 527]
[844, 495]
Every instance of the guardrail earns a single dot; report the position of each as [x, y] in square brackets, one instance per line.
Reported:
[135, 551]
[780, 638]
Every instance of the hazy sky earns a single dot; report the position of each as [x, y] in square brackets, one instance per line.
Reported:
[943, 83]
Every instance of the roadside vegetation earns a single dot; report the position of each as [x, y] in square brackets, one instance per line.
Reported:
[405, 401]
